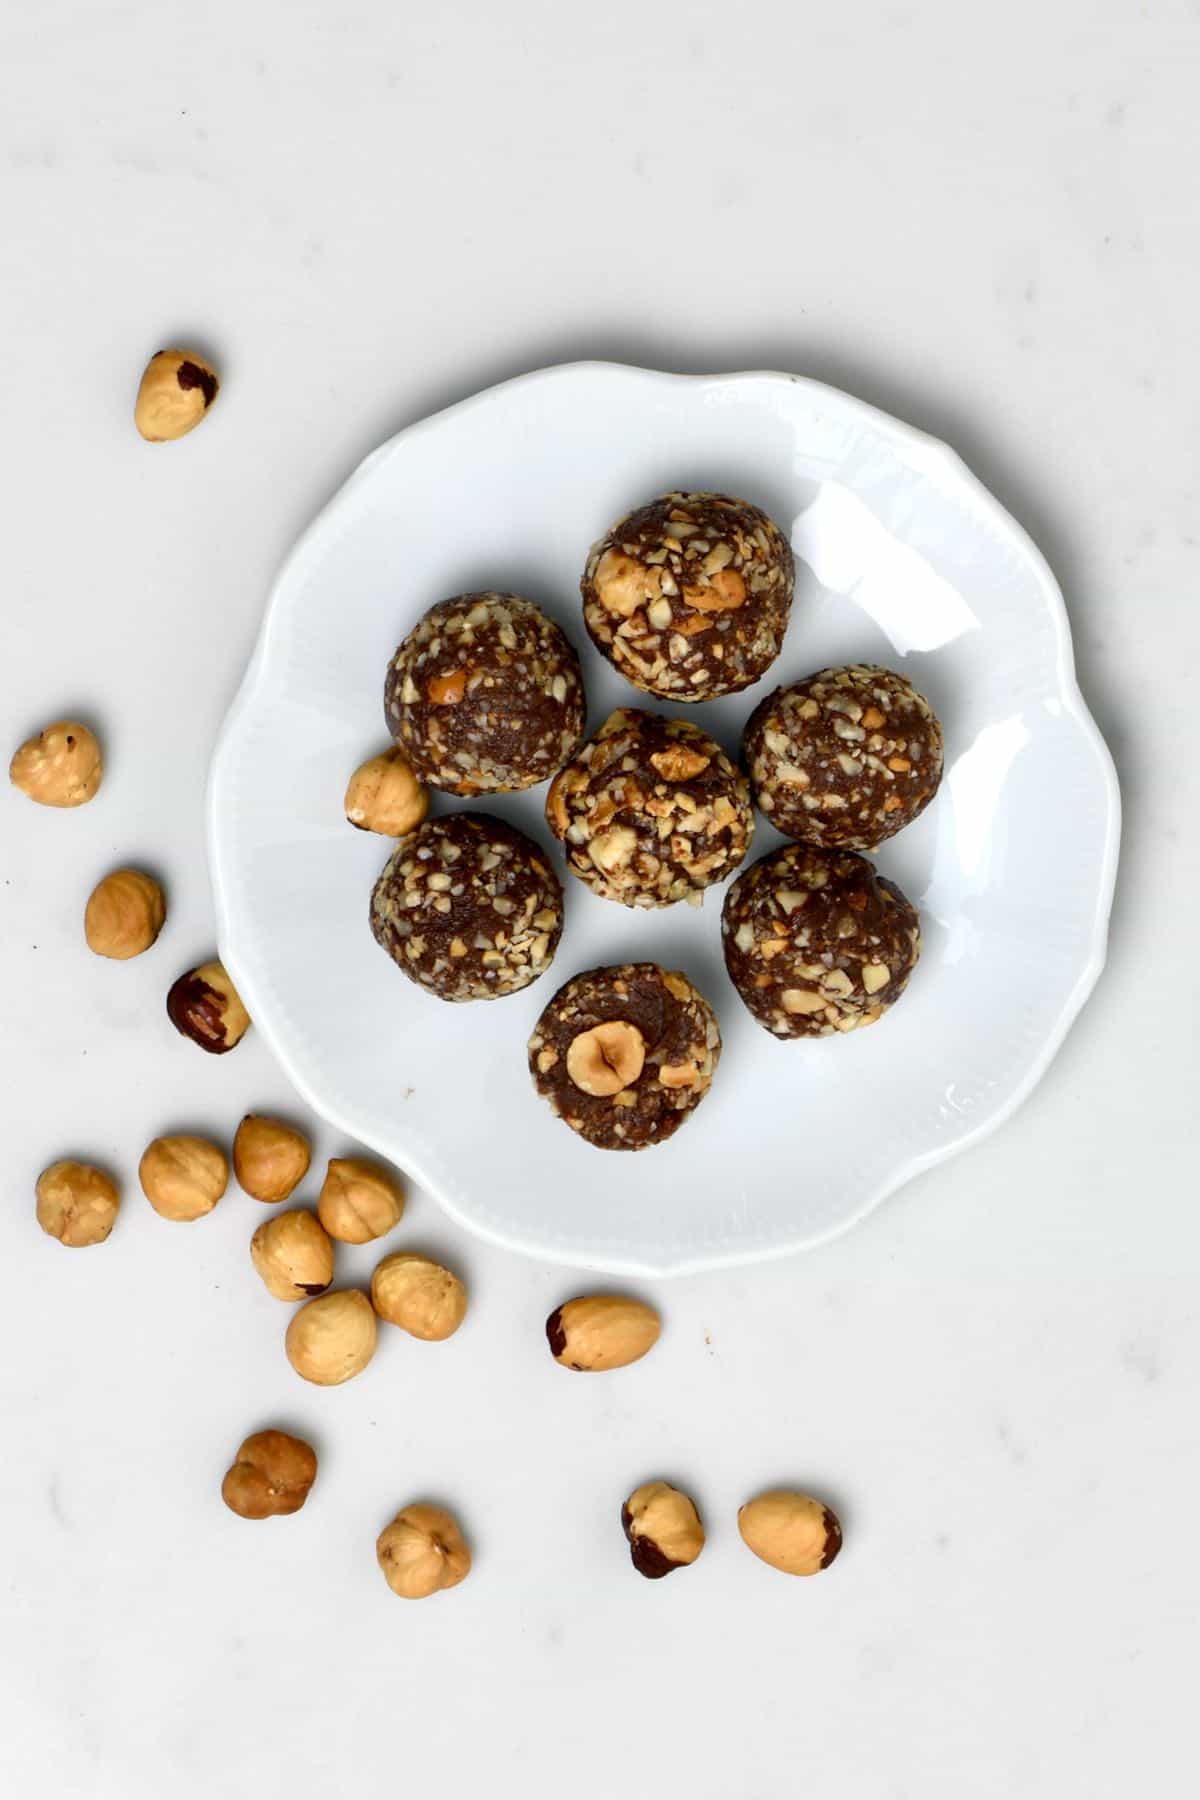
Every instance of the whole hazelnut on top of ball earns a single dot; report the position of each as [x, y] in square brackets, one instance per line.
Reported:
[270, 1476]
[422, 1551]
[175, 393]
[332, 1338]
[663, 1528]
[385, 796]
[182, 1176]
[204, 1005]
[124, 914]
[270, 1159]
[791, 1531]
[62, 766]
[419, 1295]
[76, 1203]
[294, 1255]
[359, 1199]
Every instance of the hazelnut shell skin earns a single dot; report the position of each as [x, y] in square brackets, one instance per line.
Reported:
[77, 1204]
[596, 1332]
[204, 1005]
[62, 766]
[422, 1552]
[270, 1476]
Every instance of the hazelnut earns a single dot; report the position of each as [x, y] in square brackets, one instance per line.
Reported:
[124, 914]
[183, 1177]
[359, 1200]
[607, 1058]
[385, 796]
[294, 1255]
[270, 1158]
[623, 584]
[270, 1475]
[791, 1531]
[76, 1203]
[62, 766]
[332, 1338]
[205, 1006]
[418, 1295]
[601, 1331]
[422, 1551]
[663, 1528]
[176, 391]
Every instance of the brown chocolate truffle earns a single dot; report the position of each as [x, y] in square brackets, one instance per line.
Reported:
[816, 942]
[651, 811]
[625, 1054]
[689, 597]
[844, 759]
[469, 908]
[485, 695]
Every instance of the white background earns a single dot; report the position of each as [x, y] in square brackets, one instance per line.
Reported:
[982, 219]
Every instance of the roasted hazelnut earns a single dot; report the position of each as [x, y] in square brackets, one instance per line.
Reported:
[422, 1551]
[418, 1295]
[176, 392]
[791, 1531]
[294, 1255]
[62, 766]
[76, 1203]
[270, 1475]
[607, 1058]
[663, 1528]
[385, 796]
[359, 1200]
[183, 1177]
[601, 1331]
[270, 1159]
[124, 914]
[332, 1338]
[205, 1006]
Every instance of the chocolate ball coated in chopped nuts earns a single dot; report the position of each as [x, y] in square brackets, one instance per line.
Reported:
[62, 766]
[176, 392]
[124, 914]
[469, 908]
[650, 811]
[689, 596]
[596, 1332]
[624, 1054]
[663, 1528]
[270, 1159]
[293, 1253]
[792, 1532]
[204, 1005]
[271, 1476]
[332, 1338]
[845, 758]
[183, 1177]
[419, 1296]
[485, 695]
[816, 942]
[77, 1204]
[359, 1199]
[422, 1551]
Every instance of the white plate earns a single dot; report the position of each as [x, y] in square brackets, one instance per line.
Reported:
[902, 558]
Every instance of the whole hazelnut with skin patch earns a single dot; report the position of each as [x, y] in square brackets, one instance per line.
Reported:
[359, 1200]
[124, 914]
[601, 1331]
[270, 1159]
[419, 1296]
[791, 1531]
[270, 1476]
[183, 1177]
[176, 391]
[205, 1006]
[385, 796]
[62, 766]
[76, 1203]
[663, 1528]
[422, 1551]
[294, 1255]
[332, 1338]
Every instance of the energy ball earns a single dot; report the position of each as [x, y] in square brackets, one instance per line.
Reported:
[625, 1054]
[844, 759]
[469, 908]
[651, 811]
[816, 942]
[485, 695]
[689, 597]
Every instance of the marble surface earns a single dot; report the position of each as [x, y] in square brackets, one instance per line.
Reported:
[981, 220]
